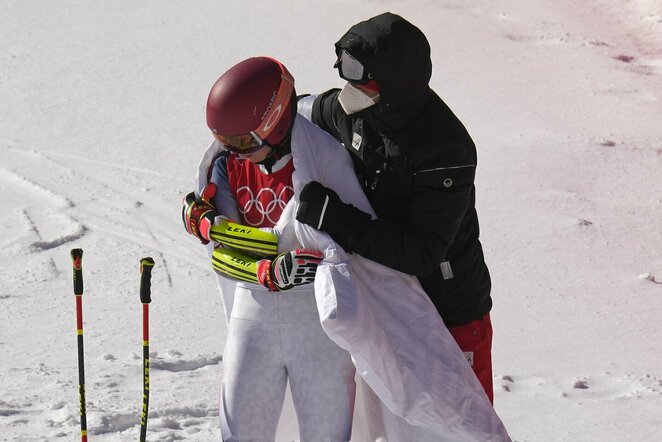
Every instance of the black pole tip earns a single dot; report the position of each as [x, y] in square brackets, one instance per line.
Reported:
[76, 253]
[77, 260]
[146, 265]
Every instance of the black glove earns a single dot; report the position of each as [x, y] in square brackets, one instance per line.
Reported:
[321, 208]
[318, 206]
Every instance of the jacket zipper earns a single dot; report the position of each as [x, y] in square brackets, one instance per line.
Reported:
[377, 172]
[374, 182]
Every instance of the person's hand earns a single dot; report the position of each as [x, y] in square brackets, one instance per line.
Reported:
[198, 213]
[289, 269]
[318, 206]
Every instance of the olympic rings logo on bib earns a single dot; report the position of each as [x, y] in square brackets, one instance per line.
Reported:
[265, 208]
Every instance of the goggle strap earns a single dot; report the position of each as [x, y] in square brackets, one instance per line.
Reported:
[277, 106]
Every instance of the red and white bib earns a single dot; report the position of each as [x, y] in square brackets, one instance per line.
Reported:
[261, 197]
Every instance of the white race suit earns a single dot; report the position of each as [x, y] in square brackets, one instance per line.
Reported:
[276, 337]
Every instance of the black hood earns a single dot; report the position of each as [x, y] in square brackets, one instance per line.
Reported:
[397, 55]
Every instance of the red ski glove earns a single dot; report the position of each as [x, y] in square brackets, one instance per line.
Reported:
[289, 269]
[198, 213]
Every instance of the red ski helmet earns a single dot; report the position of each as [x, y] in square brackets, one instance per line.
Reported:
[252, 103]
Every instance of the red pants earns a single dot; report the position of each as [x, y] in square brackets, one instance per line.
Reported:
[475, 340]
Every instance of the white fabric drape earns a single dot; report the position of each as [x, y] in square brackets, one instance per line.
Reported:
[414, 383]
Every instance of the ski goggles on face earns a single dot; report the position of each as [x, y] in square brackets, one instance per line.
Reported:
[241, 144]
[350, 68]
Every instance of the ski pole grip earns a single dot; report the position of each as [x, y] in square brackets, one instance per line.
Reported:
[146, 265]
[77, 258]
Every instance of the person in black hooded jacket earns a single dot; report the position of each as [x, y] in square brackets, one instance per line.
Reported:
[417, 164]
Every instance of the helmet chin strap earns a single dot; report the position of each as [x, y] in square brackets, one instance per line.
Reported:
[277, 152]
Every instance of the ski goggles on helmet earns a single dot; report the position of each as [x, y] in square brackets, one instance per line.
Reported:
[241, 144]
[350, 68]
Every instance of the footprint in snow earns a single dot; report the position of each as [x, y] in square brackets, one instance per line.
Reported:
[588, 388]
[179, 365]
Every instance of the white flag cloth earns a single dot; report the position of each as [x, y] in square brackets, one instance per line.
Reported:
[415, 383]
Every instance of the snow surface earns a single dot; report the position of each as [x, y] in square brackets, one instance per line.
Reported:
[102, 125]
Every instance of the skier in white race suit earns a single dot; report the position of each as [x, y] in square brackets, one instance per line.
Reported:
[414, 383]
[274, 330]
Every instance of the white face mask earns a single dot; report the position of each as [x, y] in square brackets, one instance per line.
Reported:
[353, 99]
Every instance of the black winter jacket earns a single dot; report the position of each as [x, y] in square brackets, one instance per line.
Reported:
[417, 164]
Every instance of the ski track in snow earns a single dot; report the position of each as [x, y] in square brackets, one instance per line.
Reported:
[38, 191]
[121, 211]
[107, 395]
[81, 199]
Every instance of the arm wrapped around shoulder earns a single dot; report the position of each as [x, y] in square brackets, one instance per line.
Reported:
[322, 208]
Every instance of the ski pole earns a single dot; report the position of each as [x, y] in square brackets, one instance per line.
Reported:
[146, 265]
[77, 258]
